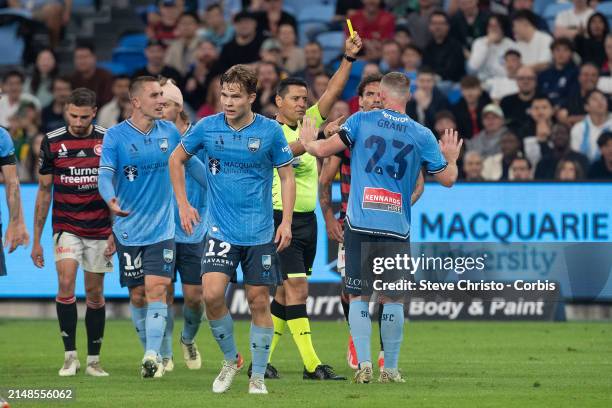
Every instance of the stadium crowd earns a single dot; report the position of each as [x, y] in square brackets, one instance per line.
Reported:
[532, 101]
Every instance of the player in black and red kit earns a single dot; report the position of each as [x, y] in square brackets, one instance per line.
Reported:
[69, 159]
[369, 99]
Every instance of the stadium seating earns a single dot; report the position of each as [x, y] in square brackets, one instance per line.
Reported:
[131, 58]
[332, 43]
[539, 6]
[551, 11]
[11, 44]
[606, 9]
[313, 20]
[136, 40]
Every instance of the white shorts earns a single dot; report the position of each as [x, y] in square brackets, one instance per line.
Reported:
[89, 253]
[341, 259]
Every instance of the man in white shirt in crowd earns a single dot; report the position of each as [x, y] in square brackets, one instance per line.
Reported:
[585, 133]
[505, 85]
[534, 45]
[573, 21]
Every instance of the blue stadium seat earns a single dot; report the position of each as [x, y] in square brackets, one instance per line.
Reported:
[131, 58]
[114, 67]
[606, 9]
[313, 20]
[137, 41]
[551, 11]
[83, 4]
[332, 43]
[539, 6]
[11, 44]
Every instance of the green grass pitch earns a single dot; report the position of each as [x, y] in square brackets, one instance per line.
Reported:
[446, 364]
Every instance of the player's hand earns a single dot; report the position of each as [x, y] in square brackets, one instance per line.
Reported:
[352, 46]
[308, 130]
[113, 205]
[450, 145]
[283, 236]
[16, 235]
[333, 127]
[37, 255]
[189, 217]
[334, 229]
[111, 248]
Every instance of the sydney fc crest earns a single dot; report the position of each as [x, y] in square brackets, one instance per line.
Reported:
[168, 255]
[266, 262]
[163, 144]
[214, 166]
[254, 143]
[130, 172]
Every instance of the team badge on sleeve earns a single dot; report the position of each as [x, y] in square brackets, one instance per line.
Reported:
[266, 261]
[254, 144]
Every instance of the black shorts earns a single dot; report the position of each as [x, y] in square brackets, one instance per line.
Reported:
[259, 262]
[2, 260]
[189, 263]
[135, 262]
[296, 260]
[366, 270]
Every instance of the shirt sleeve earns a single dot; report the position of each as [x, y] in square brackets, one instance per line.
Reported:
[349, 131]
[281, 152]
[194, 141]
[431, 155]
[46, 157]
[109, 158]
[7, 149]
[314, 113]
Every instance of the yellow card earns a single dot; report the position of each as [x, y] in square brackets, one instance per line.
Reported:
[350, 27]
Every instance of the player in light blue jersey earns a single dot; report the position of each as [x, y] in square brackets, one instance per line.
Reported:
[242, 149]
[387, 152]
[189, 249]
[16, 233]
[134, 181]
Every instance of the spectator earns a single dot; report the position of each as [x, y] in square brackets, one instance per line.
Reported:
[318, 88]
[12, 87]
[24, 126]
[119, 108]
[556, 81]
[391, 57]
[444, 53]
[468, 23]
[586, 132]
[590, 45]
[199, 76]
[519, 6]
[560, 141]
[536, 143]
[244, 48]
[218, 30]
[313, 55]
[516, 106]
[497, 167]
[228, 8]
[346, 9]
[270, 19]
[488, 141]
[489, 51]
[52, 117]
[402, 36]
[88, 75]
[212, 103]
[534, 45]
[162, 27]
[602, 168]
[468, 110]
[32, 162]
[442, 121]
[504, 85]
[156, 54]
[573, 109]
[569, 170]
[40, 83]
[427, 99]
[270, 51]
[268, 77]
[418, 21]
[374, 25]
[411, 61]
[55, 15]
[472, 167]
[520, 169]
[605, 81]
[181, 52]
[292, 56]
[571, 22]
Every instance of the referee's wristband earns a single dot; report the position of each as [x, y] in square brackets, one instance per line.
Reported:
[349, 58]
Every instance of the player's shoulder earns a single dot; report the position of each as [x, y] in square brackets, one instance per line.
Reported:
[262, 121]
[209, 122]
[57, 133]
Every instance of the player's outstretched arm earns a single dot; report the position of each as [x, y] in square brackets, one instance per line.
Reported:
[450, 146]
[189, 216]
[319, 148]
[41, 210]
[16, 232]
[419, 187]
[283, 232]
[328, 172]
[336, 84]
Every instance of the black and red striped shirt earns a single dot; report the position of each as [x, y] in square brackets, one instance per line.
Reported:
[73, 161]
[345, 180]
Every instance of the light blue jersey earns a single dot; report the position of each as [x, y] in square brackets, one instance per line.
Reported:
[7, 149]
[387, 152]
[196, 195]
[142, 180]
[240, 171]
